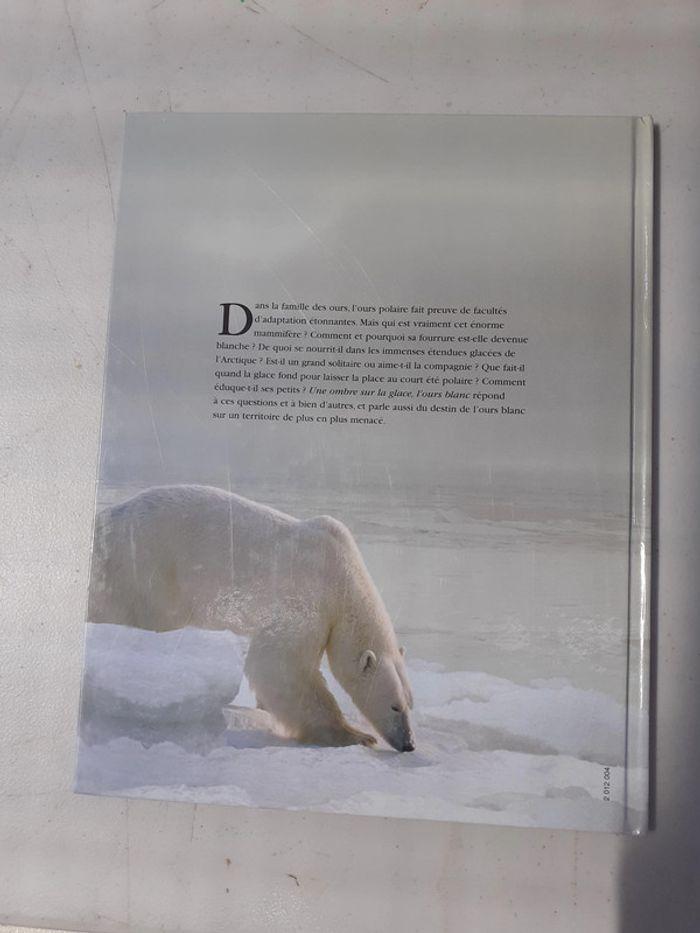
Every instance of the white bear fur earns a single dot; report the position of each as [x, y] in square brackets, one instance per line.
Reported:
[179, 556]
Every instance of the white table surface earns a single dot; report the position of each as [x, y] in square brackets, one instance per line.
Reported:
[68, 71]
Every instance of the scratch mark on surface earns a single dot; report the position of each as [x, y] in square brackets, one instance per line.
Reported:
[230, 522]
[423, 5]
[389, 477]
[148, 394]
[29, 794]
[342, 58]
[120, 923]
[11, 159]
[284, 203]
[326, 48]
[54, 273]
[194, 817]
[134, 561]
[365, 273]
[284, 288]
[94, 109]
[128, 867]
[316, 237]
[15, 104]
[126, 356]
[155, 6]
[12, 244]
[298, 216]
[290, 875]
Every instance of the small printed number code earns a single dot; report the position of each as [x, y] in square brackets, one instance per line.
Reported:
[606, 784]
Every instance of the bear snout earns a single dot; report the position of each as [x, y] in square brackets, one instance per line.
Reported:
[403, 744]
[401, 737]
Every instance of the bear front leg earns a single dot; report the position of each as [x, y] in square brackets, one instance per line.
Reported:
[299, 698]
[323, 722]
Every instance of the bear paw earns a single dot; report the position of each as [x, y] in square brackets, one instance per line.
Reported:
[338, 737]
[356, 737]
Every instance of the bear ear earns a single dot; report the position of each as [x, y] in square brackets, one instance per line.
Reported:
[402, 651]
[368, 661]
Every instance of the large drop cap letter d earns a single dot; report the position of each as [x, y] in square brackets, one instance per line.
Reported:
[225, 324]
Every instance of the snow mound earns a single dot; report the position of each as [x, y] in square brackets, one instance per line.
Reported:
[153, 686]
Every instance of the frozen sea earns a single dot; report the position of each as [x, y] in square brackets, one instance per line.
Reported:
[513, 612]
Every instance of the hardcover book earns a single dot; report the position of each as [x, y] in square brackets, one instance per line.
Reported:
[372, 526]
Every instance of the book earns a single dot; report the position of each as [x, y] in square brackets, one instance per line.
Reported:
[373, 506]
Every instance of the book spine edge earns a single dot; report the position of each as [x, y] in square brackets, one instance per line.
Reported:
[640, 543]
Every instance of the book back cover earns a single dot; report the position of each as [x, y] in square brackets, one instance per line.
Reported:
[372, 510]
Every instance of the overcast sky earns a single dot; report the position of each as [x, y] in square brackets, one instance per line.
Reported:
[533, 214]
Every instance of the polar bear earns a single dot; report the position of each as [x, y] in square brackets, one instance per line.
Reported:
[176, 556]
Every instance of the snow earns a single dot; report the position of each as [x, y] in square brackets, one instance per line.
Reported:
[156, 723]
[152, 686]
